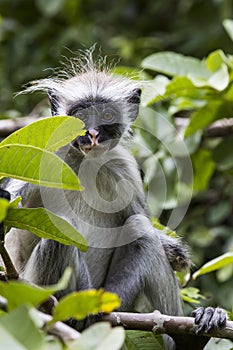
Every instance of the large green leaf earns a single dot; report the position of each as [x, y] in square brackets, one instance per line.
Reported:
[171, 64]
[45, 224]
[37, 166]
[18, 293]
[8, 341]
[140, 340]
[18, 331]
[81, 304]
[100, 336]
[215, 264]
[48, 133]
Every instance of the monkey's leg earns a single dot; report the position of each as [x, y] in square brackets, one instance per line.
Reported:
[48, 262]
[142, 267]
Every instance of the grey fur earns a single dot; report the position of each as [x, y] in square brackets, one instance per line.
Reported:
[126, 255]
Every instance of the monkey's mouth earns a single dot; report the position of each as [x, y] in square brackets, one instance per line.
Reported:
[94, 148]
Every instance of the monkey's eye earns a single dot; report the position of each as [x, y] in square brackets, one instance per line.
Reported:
[81, 115]
[108, 117]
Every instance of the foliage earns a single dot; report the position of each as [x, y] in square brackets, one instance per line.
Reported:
[30, 150]
[100, 337]
[31, 158]
[34, 35]
[138, 340]
[178, 86]
[196, 93]
[81, 304]
[23, 328]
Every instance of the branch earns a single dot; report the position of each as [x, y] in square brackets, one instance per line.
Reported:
[11, 272]
[8, 126]
[59, 329]
[160, 324]
[220, 128]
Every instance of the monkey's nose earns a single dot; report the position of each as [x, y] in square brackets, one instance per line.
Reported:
[93, 135]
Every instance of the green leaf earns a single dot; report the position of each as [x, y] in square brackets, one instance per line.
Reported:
[48, 133]
[171, 64]
[166, 230]
[220, 79]
[15, 202]
[18, 293]
[223, 155]
[214, 264]
[191, 295]
[140, 340]
[81, 304]
[154, 90]
[45, 224]
[179, 86]
[215, 60]
[8, 341]
[228, 25]
[20, 328]
[100, 336]
[203, 117]
[203, 169]
[225, 273]
[37, 166]
[4, 206]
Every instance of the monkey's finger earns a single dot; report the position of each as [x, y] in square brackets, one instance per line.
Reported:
[205, 320]
[218, 319]
[198, 313]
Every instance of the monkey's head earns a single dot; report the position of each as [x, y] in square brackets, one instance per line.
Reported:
[106, 103]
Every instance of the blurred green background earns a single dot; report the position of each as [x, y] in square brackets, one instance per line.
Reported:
[36, 35]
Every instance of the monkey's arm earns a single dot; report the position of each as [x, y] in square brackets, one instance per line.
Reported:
[176, 252]
[19, 188]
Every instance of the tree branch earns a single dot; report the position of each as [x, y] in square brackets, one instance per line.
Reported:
[8, 126]
[59, 329]
[160, 324]
[220, 128]
[11, 272]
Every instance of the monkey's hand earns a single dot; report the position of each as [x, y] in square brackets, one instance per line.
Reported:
[209, 319]
[177, 254]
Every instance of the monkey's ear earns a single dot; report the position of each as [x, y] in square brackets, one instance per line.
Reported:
[135, 96]
[54, 101]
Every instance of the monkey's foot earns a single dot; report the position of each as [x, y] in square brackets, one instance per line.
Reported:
[209, 319]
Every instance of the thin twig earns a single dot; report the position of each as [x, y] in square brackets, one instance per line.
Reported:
[11, 272]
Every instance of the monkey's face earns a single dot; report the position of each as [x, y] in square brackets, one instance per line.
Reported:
[103, 122]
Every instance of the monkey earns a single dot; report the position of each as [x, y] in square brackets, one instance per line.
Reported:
[126, 254]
